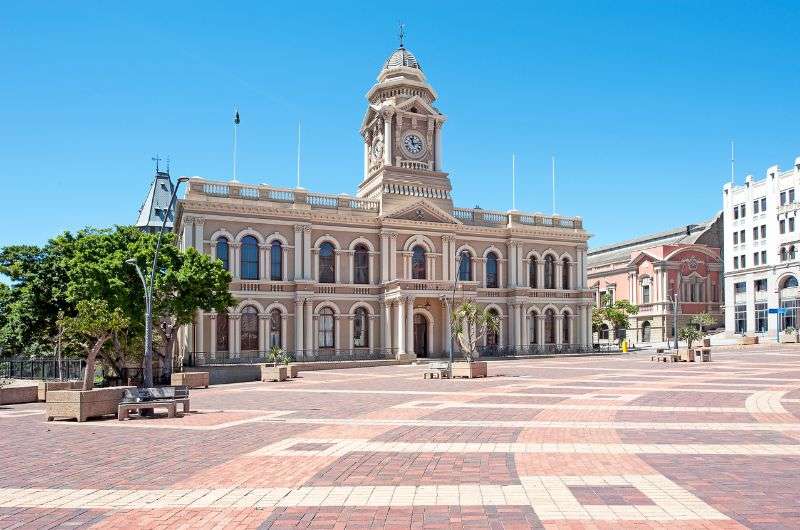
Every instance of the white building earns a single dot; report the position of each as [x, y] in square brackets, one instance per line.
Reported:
[761, 241]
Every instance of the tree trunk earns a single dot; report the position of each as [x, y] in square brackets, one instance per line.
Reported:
[88, 376]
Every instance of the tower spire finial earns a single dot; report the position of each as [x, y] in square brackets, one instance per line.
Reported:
[156, 159]
[402, 32]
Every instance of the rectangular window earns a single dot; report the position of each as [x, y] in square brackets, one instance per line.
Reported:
[736, 238]
[741, 236]
[763, 257]
[735, 212]
[739, 287]
[782, 226]
[763, 231]
[791, 196]
[740, 318]
[755, 206]
[763, 204]
[760, 285]
[755, 233]
[790, 318]
[736, 262]
[743, 261]
[645, 294]
[783, 198]
[742, 211]
[755, 259]
[761, 317]
[791, 224]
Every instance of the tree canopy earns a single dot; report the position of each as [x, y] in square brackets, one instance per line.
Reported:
[616, 315]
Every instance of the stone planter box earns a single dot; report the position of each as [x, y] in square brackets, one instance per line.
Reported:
[190, 379]
[84, 404]
[686, 355]
[12, 395]
[470, 370]
[748, 341]
[274, 373]
[47, 386]
[789, 338]
[706, 343]
[293, 370]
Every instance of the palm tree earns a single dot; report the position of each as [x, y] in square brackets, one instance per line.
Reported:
[468, 324]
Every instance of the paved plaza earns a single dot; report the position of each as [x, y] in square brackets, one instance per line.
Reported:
[588, 442]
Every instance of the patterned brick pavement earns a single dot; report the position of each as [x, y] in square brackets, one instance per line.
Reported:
[613, 442]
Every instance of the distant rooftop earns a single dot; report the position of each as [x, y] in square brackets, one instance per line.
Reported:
[156, 204]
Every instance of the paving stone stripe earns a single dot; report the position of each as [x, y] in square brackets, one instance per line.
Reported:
[567, 406]
[340, 447]
[549, 496]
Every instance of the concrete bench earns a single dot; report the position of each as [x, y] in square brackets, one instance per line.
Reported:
[178, 394]
[438, 369]
[125, 408]
[139, 399]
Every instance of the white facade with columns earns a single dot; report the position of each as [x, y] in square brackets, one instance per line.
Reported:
[380, 270]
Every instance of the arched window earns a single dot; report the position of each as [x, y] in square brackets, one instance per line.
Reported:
[222, 252]
[465, 266]
[566, 338]
[327, 263]
[418, 268]
[360, 328]
[549, 272]
[789, 282]
[533, 329]
[327, 335]
[361, 264]
[275, 337]
[493, 335]
[533, 273]
[491, 270]
[222, 331]
[549, 327]
[791, 252]
[565, 273]
[276, 261]
[249, 258]
[249, 326]
[646, 328]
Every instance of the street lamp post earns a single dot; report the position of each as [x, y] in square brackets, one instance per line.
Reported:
[148, 292]
[674, 299]
[452, 308]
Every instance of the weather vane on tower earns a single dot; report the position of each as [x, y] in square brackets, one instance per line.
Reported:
[402, 32]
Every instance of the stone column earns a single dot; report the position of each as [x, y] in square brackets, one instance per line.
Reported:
[298, 328]
[540, 273]
[445, 256]
[370, 337]
[386, 315]
[399, 328]
[186, 238]
[307, 252]
[517, 330]
[308, 325]
[410, 325]
[524, 323]
[337, 331]
[200, 332]
[198, 234]
[384, 257]
[448, 342]
[263, 328]
[284, 338]
[234, 260]
[263, 263]
[212, 346]
[284, 263]
[510, 323]
[512, 264]
[559, 266]
[372, 277]
[393, 256]
[298, 252]
[540, 329]
[437, 156]
[234, 329]
[559, 329]
[338, 264]
[387, 139]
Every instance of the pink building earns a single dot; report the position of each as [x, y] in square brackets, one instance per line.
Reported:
[649, 270]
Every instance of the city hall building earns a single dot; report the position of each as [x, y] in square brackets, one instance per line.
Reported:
[377, 273]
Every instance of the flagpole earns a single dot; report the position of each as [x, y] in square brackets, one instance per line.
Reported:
[513, 181]
[554, 185]
[235, 140]
[299, 123]
[733, 163]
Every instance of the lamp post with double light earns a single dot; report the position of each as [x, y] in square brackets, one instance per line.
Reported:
[147, 374]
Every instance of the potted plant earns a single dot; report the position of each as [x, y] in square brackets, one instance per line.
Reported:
[278, 369]
[690, 334]
[469, 324]
[703, 321]
[789, 335]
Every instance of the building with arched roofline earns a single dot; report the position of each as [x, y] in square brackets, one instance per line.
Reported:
[390, 248]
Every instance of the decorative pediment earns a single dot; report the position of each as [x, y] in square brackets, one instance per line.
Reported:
[420, 104]
[640, 257]
[421, 210]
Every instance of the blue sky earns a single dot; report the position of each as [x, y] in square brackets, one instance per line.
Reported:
[637, 100]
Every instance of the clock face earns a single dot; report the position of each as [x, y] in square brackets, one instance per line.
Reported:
[414, 145]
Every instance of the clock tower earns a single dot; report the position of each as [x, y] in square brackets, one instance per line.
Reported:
[402, 137]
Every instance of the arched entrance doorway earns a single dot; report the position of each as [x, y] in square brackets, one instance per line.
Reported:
[645, 331]
[420, 335]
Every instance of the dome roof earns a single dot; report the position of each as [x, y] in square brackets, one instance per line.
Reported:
[402, 57]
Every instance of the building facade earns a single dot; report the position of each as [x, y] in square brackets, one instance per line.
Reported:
[761, 244]
[653, 271]
[379, 271]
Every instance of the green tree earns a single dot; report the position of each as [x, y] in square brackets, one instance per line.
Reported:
[690, 334]
[616, 315]
[468, 324]
[92, 327]
[702, 321]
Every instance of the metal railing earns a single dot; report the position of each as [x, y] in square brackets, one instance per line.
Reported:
[42, 368]
[319, 355]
